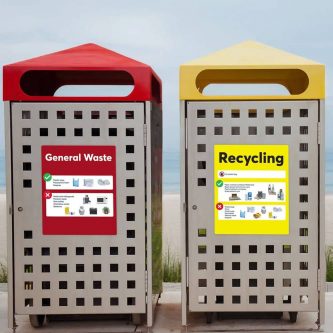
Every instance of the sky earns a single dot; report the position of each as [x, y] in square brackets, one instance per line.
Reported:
[165, 34]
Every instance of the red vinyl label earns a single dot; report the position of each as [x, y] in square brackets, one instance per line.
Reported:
[79, 190]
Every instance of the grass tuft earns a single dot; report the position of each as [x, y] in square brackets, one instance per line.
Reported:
[3, 273]
[329, 264]
[171, 268]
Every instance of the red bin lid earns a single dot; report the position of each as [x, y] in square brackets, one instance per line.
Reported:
[37, 79]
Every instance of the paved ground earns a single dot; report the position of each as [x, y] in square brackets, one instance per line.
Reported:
[168, 320]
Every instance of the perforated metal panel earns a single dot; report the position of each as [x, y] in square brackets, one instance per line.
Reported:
[252, 272]
[78, 274]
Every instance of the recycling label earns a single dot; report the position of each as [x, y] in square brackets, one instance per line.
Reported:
[251, 189]
[79, 190]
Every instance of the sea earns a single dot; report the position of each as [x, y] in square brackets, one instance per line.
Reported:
[171, 175]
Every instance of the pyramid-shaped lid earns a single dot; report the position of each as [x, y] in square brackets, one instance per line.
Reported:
[83, 64]
[253, 62]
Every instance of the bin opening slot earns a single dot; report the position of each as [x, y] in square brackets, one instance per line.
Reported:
[252, 82]
[70, 83]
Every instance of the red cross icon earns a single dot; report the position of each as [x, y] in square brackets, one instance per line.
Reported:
[219, 206]
[47, 195]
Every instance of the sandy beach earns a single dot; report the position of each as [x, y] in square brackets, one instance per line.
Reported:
[171, 223]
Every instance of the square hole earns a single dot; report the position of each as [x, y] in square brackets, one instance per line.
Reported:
[130, 250]
[79, 284]
[218, 113]
[286, 130]
[303, 198]
[26, 114]
[235, 266]
[28, 251]
[129, 131]
[269, 248]
[62, 251]
[218, 248]
[201, 148]
[303, 113]
[252, 130]
[286, 299]
[218, 130]
[114, 284]
[63, 284]
[43, 131]
[130, 200]
[201, 181]
[303, 181]
[97, 284]
[303, 130]
[94, 114]
[26, 131]
[27, 183]
[202, 299]
[130, 300]
[304, 249]
[46, 302]
[201, 130]
[97, 267]
[130, 267]
[79, 251]
[304, 232]
[235, 113]
[201, 113]
[112, 114]
[303, 215]
[130, 165]
[27, 234]
[113, 250]
[114, 301]
[45, 251]
[252, 248]
[46, 285]
[235, 249]
[286, 282]
[253, 299]
[219, 283]
[236, 299]
[129, 149]
[80, 301]
[253, 265]
[78, 115]
[28, 269]
[62, 268]
[286, 265]
[202, 283]
[26, 149]
[114, 268]
[43, 114]
[303, 147]
[303, 282]
[219, 299]
[235, 130]
[130, 217]
[28, 285]
[26, 166]
[270, 299]
[129, 114]
[63, 301]
[78, 132]
[61, 115]
[286, 113]
[130, 182]
[252, 113]
[270, 265]
[201, 165]
[61, 131]
[303, 164]
[79, 268]
[202, 249]
[130, 233]
[269, 113]
[202, 266]
[112, 131]
[253, 283]
[236, 283]
[269, 282]
[28, 302]
[202, 232]
[219, 266]
[97, 301]
[304, 299]
[269, 130]
[95, 132]
[46, 268]
[131, 284]
[303, 265]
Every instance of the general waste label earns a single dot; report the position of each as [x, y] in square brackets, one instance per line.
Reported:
[79, 190]
[251, 189]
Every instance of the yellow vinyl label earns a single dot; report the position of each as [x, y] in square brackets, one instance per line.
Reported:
[251, 191]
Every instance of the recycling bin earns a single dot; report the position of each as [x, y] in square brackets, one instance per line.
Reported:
[84, 185]
[252, 183]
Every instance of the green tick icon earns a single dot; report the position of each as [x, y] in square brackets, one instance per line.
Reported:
[219, 183]
[47, 176]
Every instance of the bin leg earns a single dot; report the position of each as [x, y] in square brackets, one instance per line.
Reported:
[37, 320]
[209, 317]
[137, 318]
[293, 316]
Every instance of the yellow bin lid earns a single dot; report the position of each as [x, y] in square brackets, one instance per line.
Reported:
[253, 63]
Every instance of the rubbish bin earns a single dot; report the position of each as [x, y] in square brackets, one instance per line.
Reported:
[252, 183]
[84, 185]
